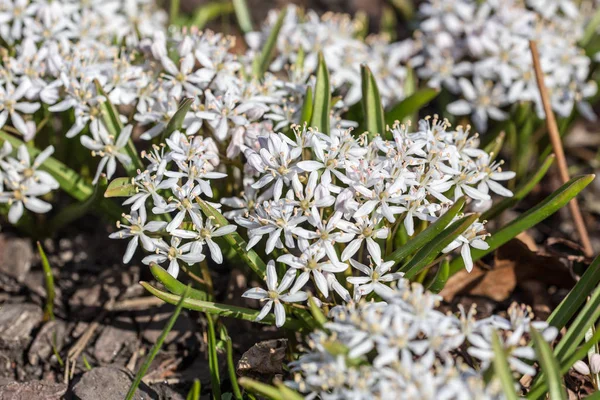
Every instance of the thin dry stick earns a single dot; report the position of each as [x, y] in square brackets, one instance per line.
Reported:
[558, 150]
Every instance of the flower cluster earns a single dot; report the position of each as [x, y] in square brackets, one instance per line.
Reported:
[337, 36]
[171, 185]
[22, 183]
[480, 51]
[404, 348]
[322, 204]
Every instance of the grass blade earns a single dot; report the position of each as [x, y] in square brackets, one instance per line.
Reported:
[431, 250]
[371, 101]
[213, 360]
[501, 368]
[576, 297]
[210, 11]
[49, 279]
[155, 349]
[322, 101]
[441, 277]
[288, 393]
[250, 257]
[549, 365]
[410, 105]
[523, 190]
[194, 393]
[222, 310]
[588, 315]
[173, 285]
[317, 312]
[428, 234]
[535, 215]
[242, 13]
[261, 63]
[307, 107]
[176, 122]
[70, 181]
[237, 393]
[261, 389]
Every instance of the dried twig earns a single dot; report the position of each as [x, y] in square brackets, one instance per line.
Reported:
[558, 150]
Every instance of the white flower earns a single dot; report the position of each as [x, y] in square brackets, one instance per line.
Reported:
[104, 145]
[24, 195]
[470, 238]
[136, 231]
[373, 281]
[367, 231]
[274, 295]
[204, 234]
[11, 105]
[173, 253]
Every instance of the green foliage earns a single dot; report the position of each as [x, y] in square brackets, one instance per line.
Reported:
[49, 279]
[261, 63]
[371, 102]
[242, 14]
[410, 105]
[322, 101]
[502, 369]
[549, 366]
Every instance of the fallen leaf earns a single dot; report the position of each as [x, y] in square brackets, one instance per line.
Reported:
[264, 358]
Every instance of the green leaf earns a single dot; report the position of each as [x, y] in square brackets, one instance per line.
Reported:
[173, 285]
[194, 393]
[576, 297]
[261, 63]
[70, 181]
[322, 101]
[533, 216]
[371, 101]
[222, 310]
[237, 394]
[521, 192]
[549, 366]
[288, 393]
[261, 389]
[210, 11]
[250, 257]
[120, 187]
[410, 105]
[441, 277]
[588, 315]
[155, 349]
[317, 312]
[49, 279]
[431, 250]
[502, 369]
[74, 211]
[176, 122]
[307, 107]
[540, 386]
[111, 119]
[173, 11]
[213, 360]
[428, 234]
[242, 13]
[590, 29]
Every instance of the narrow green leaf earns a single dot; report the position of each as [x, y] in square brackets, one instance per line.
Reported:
[155, 349]
[173, 285]
[176, 122]
[540, 386]
[252, 259]
[242, 13]
[173, 11]
[549, 366]
[441, 277]
[502, 369]
[317, 312]
[222, 310]
[410, 105]
[74, 211]
[261, 389]
[262, 62]
[307, 107]
[210, 11]
[588, 315]
[194, 393]
[213, 360]
[431, 250]
[70, 181]
[576, 297]
[590, 29]
[49, 279]
[237, 394]
[288, 393]
[371, 101]
[428, 234]
[522, 191]
[494, 147]
[549, 206]
[322, 100]
[111, 119]
[120, 187]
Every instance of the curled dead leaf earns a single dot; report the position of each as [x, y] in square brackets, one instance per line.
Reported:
[264, 358]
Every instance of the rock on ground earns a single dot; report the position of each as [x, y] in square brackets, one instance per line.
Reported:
[16, 323]
[109, 383]
[32, 390]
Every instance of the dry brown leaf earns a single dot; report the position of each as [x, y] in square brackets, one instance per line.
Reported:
[264, 358]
